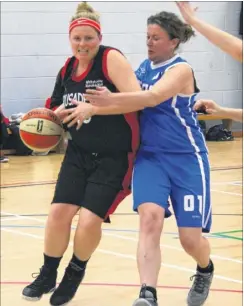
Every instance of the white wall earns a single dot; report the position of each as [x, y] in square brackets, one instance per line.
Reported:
[34, 45]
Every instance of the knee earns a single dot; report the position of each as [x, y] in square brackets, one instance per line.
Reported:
[62, 214]
[89, 222]
[151, 221]
[190, 243]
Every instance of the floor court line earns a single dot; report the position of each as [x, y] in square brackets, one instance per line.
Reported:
[118, 214]
[227, 192]
[133, 239]
[128, 256]
[175, 248]
[175, 235]
[128, 285]
[231, 237]
[10, 219]
[130, 238]
[50, 182]
[232, 183]
[228, 168]
[228, 232]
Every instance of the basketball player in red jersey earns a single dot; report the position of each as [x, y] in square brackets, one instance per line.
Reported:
[96, 170]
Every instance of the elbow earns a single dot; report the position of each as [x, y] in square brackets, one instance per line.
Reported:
[240, 56]
[237, 52]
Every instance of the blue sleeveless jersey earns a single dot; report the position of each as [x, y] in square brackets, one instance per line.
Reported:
[171, 126]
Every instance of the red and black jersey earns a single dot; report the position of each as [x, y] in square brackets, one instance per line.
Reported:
[100, 133]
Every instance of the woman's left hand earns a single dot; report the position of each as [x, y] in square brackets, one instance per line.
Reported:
[78, 114]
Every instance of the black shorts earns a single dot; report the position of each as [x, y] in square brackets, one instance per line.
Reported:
[96, 181]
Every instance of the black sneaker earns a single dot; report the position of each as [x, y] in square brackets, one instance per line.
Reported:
[146, 298]
[67, 288]
[44, 283]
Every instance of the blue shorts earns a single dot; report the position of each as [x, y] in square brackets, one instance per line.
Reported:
[185, 178]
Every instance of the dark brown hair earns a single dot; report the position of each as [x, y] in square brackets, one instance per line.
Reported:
[173, 25]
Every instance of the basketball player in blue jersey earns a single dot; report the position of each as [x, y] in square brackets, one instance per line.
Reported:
[96, 171]
[172, 160]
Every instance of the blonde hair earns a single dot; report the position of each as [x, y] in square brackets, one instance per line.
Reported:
[84, 10]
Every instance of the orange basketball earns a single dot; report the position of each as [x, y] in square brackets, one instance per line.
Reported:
[40, 129]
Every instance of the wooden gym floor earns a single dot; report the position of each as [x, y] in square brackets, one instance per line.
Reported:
[112, 278]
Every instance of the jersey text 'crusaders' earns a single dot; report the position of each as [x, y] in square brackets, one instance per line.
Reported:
[110, 133]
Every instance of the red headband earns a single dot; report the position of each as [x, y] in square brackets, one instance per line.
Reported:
[83, 22]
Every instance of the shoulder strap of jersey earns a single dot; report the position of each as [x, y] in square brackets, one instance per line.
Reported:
[66, 71]
[196, 88]
[104, 52]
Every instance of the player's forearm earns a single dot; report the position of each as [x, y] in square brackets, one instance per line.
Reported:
[232, 113]
[114, 110]
[126, 103]
[227, 42]
[136, 100]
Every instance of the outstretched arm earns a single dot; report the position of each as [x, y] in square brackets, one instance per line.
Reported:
[122, 76]
[225, 41]
[172, 83]
[232, 113]
[212, 107]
